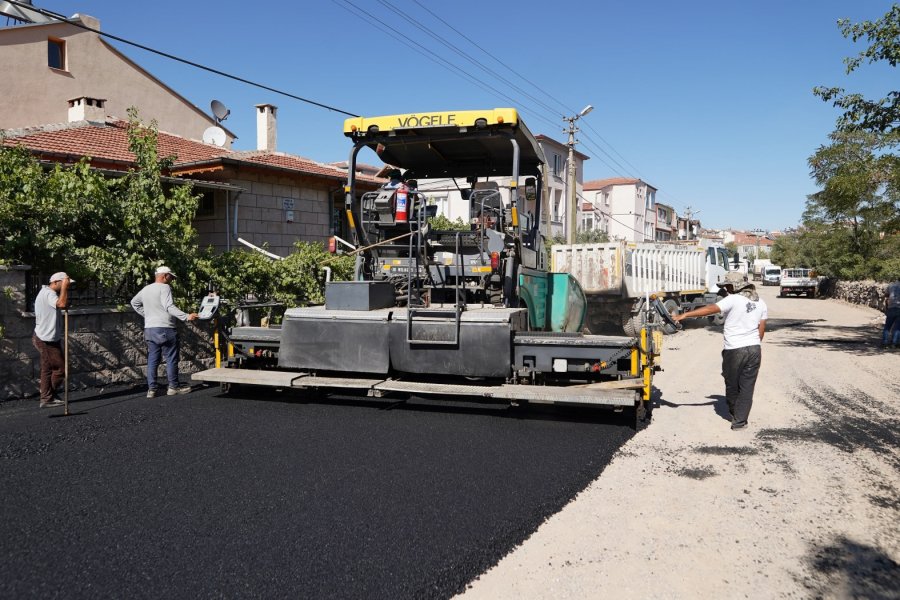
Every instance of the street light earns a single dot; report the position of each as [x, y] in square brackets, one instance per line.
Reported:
[572, 208]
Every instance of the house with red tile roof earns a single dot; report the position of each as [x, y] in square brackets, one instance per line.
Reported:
[751, 245]
[261, 196]
[66, 92]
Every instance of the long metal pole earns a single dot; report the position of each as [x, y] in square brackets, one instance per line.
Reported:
[66, 361]
[572, 207]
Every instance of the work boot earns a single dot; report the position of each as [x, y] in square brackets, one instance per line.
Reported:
[181, 389]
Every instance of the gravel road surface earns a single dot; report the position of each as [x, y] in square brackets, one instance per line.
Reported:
[805, 503]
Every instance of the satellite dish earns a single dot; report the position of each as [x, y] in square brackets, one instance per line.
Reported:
[219, 110]
[214, 135]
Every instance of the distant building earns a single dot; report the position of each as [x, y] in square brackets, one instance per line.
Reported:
[750, 245]
[557, 203]
[687, 229]
[58, 72]
[666, 223]
[627, 204]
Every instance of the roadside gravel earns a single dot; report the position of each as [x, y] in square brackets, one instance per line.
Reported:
[805, 503]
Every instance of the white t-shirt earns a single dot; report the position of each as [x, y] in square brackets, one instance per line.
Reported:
[742, 317]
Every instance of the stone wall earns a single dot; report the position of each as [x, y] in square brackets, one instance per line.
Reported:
[106, 345]
[867, 293]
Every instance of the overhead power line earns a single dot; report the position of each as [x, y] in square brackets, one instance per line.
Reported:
[616, 166]
[191, 63]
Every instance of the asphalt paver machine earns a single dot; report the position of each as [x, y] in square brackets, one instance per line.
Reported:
[470, 314]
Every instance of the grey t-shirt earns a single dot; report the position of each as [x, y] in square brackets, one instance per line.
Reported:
[47, 319]
[155, 304]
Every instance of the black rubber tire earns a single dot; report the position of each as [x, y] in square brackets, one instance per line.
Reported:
[632, 324]
[672, 306]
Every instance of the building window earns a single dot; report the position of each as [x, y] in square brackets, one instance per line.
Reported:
[56, 54]
[587, 222]
[442, 204]
[206, 207]
[557, 164]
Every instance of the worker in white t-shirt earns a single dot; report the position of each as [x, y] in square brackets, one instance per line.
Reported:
[745, 325]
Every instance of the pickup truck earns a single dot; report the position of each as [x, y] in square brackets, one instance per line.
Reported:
[799, 281]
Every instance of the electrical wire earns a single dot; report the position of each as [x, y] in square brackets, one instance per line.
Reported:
[462, 53]
[75, 23]
[500, 62]
[619, 168]
[387, 28]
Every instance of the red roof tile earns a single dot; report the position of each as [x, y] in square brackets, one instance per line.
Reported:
[109, 143]
[106, 142]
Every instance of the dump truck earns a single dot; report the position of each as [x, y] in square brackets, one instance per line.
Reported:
[619, 277]
[450, 314]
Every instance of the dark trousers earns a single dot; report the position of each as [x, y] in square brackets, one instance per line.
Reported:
[739, 369]
[52, 366]
[891, 321]
[162, 342]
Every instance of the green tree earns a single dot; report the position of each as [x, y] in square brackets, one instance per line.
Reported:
[105, 229]
[582, 236]
[851, 225]
[882, 115]
[442, 223]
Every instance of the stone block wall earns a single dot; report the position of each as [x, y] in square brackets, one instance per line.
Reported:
[866, 293]
[106, 345]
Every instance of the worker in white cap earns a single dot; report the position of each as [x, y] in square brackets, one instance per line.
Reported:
[155, 304]
[48, 330]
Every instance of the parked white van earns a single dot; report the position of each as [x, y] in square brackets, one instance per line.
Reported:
[771, 275]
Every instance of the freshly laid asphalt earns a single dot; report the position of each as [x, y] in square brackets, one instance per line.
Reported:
[278, 494]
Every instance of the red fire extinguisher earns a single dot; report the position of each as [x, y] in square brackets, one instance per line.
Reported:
[400, 216]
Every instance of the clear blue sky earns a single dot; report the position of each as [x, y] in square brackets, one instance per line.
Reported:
[708, 101]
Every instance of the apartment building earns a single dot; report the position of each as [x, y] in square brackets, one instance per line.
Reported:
[628, 204]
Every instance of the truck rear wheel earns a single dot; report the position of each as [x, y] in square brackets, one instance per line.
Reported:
[632, 324]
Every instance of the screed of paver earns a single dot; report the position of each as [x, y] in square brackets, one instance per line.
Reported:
[804, 503]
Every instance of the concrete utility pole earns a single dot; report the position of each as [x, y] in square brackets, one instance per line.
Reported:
[758, 233]
[572, 206]
[688, 215]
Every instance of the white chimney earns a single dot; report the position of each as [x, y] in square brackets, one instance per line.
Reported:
[265, 127]
[87, 109]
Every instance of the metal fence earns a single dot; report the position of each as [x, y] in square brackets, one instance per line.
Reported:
[84, 293]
